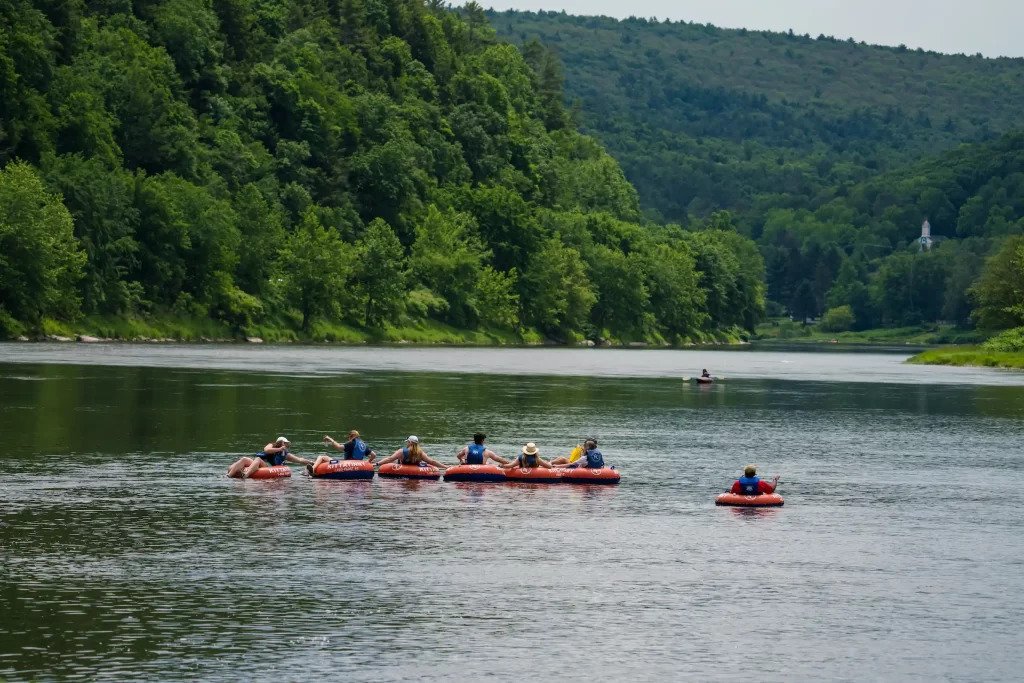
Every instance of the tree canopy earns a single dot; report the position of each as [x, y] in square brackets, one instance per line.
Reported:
[361, 162]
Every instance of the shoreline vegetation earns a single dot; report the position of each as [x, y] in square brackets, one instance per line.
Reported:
[973, 356]
[426, 333]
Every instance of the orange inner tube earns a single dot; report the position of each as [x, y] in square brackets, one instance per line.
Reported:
[765, 500]
[587, 475]
[474, 473]
[540, 475]
[276, 472]
[344, 469]
[393, 469]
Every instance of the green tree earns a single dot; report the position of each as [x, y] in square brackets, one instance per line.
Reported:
[315, 266]
[496, 298]
[101, 202]
[446, 258]
[558, 295]
[40, 262]
[1000, 290]
[380, 275]
[839, 319]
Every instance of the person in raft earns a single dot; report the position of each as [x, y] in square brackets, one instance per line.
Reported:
[571, 459]
[355, 449]
[274, 453]
[752, 485]
[412, 454]
[477, 453]
[705, 374]
[590, 459]
[529, 459]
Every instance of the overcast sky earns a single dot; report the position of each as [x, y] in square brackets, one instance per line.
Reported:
[994, 28]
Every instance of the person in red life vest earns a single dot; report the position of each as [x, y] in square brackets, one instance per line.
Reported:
[752, 485]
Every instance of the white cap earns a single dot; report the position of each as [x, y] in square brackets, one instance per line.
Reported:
[413, 439]
[280, 439]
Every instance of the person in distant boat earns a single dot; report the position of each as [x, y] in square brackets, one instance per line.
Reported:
[274, 453]
[752, 485]
[477, 453]
[530, 458]
[705, 374]
[355, 449]
[589, 458]
[411, 454]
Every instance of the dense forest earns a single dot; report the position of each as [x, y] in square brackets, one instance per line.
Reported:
[327, 169]
[831, 154]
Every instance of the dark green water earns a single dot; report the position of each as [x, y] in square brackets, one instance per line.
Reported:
[127, 555]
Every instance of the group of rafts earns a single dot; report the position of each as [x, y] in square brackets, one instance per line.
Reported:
[747, 491]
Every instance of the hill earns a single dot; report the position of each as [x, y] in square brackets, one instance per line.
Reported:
[325, 169]
[703, 118]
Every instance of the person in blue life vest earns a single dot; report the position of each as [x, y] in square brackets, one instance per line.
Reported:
[274, 453]
[752, 485]
[477, 453]
[412, 454]
[529, 458]
[591, 458]
[355, 449]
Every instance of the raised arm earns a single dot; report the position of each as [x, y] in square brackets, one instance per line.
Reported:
[329, 440]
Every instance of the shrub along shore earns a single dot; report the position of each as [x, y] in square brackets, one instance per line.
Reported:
[971, 356]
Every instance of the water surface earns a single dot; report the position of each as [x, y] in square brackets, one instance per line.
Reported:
[127, 555]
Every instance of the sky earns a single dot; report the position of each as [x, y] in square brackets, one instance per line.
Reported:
[995, 28]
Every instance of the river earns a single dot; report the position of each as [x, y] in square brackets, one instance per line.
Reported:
[127, 555]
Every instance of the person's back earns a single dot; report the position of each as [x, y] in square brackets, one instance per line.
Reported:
[752, 485]
[475, 454]
[528, 460]
[594, 458]
[356, 449]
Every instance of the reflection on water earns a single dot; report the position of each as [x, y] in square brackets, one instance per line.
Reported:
[127, 555]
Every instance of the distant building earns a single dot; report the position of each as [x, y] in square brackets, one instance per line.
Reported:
[925, 240]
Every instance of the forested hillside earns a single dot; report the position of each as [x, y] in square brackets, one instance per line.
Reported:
[703, 118]
[858, 247]
[829, 153]
[325, 169]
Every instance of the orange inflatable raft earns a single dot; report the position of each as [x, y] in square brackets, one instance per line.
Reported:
[587, 475]
[344, 469]
[272, 472]
[395, 471]
[765, 500]
[535, 475]
[487, 473]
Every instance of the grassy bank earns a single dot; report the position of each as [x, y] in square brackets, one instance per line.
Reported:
[918, 335]
[422, 332]
[971, 356]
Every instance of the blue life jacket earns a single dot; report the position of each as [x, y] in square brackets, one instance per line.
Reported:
[748, 485]
[595, 460]
[405, 457]
[475, 454]
[356, 449]
[273, 459]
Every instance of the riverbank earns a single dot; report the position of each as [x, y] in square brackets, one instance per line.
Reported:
[784, 330]
[422, 332]
[970, 356]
